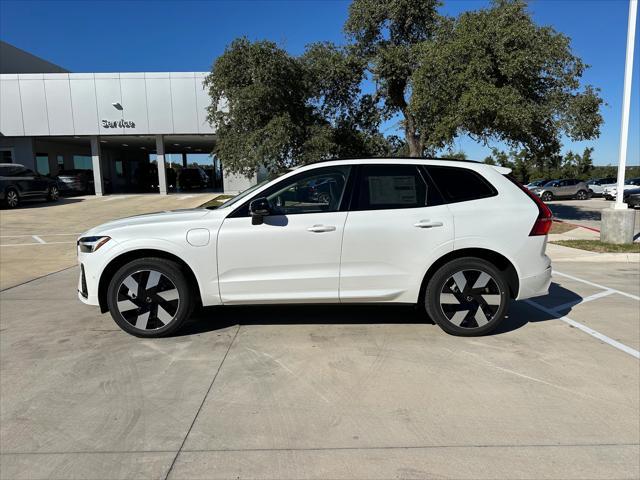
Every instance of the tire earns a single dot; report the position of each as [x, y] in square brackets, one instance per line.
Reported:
[547, 196]
[163, 299]
[53, 194]
[460, 309]
[11, 198]
[582, 195]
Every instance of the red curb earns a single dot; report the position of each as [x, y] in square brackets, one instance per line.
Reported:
[593, 229]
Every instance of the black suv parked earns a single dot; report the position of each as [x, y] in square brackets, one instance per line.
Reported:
[18, 183]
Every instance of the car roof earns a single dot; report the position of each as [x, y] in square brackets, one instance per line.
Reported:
[472, 164]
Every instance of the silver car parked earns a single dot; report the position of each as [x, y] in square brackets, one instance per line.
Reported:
[565, 188]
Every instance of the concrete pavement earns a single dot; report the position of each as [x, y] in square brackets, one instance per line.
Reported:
[324, 392]
[39, 238]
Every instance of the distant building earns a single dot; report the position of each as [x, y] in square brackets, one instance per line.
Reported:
[119, 125]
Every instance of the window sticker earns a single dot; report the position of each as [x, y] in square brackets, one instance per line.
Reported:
[386, 190]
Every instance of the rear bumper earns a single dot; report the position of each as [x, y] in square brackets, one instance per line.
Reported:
[535, 285]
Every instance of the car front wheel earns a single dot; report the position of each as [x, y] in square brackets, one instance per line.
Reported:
[12, 198]
[467, 297]
[150, 297]
[547, 196]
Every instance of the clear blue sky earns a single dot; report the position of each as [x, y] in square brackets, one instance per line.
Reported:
[103, 36]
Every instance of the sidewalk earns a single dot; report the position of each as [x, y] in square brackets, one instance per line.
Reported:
[560, 253]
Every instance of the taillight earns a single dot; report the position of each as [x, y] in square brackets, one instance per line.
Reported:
[543, 223]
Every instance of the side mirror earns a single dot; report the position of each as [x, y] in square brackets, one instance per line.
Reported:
[258, 209]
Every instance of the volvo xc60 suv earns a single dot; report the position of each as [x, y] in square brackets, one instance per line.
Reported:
[459, 239]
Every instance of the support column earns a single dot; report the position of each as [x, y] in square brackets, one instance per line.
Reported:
[184, 160]
[162, 172]
[97, 167]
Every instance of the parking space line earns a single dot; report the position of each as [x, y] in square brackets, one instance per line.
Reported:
[590, 331]
[590, 298]
[117, 197]
[41, 235]
[587, 282]
[38, 239]
[32, 244]
[185, 197]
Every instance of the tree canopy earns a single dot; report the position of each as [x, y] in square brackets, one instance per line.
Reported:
[492, 74]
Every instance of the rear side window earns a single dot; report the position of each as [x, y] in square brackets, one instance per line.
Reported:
[383, 187]
[460, 184]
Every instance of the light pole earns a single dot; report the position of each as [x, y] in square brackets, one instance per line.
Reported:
[626, 103]
[618, 222]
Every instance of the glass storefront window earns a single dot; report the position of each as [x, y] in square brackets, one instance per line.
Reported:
[82, 162]
[42, 163]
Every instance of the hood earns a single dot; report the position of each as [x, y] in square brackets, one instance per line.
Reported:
[149, 219]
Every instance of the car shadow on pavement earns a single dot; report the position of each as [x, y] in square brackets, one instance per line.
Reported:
[24, 204]
[572, 212]
[215, 318]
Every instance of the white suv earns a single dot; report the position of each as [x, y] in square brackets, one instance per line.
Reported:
[460, 238]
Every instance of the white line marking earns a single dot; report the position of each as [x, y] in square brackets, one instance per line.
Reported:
[41, 235]
[32, 244]
[38, 239]
[185, 197]
[590, 298]
[614, 343]
[635, 297]
[119, 197]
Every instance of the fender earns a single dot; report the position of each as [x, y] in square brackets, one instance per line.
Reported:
[205, 273]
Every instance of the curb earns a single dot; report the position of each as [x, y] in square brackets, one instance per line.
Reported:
[560, 253]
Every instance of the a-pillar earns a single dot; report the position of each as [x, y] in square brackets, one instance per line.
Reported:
[162, 170]
[184, 160]
[97, 167]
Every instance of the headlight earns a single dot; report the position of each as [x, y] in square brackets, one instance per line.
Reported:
[91, 244]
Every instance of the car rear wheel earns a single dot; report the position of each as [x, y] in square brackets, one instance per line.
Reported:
[547, 197]
[53, 194]
[11, 198]
[582, 195]
[150, 297]
[467, 297]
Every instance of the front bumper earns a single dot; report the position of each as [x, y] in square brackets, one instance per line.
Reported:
[91, 267]
[535, 285]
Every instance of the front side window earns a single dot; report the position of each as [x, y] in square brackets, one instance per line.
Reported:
[383, 187]
[319, 190]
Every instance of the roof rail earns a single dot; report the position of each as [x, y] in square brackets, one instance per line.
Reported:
[390, 158]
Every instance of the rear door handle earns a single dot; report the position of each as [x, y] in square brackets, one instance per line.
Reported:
[321, 228]
[427, 224]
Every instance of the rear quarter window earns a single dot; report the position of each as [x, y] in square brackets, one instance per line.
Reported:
[460, 184]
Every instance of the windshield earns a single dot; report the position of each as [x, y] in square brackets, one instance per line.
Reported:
[240, 196]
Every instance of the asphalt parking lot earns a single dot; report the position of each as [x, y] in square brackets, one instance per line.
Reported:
[332, 392]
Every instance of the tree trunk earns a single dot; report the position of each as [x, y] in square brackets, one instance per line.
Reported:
[413, 139]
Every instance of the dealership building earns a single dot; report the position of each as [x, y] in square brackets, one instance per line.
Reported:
[134, 130]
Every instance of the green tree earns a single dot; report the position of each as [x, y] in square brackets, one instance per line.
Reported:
[495, 75]
[274, 111]
[492, 74]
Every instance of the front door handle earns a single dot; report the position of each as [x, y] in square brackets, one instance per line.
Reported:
[427, 224]
[321, 228]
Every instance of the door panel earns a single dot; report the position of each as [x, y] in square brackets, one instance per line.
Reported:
[385, 253]
[396, 228]
[288, 258]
